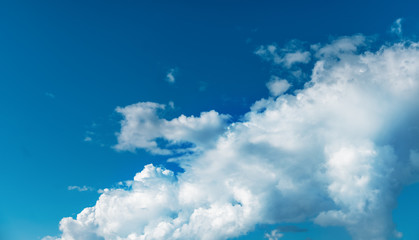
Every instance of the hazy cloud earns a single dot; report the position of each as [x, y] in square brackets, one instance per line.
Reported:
[340, 46]
[50, 95]
[80, 189]
[396, 27]
[274, 235]
[277, 86]
[286, 57]
[170, 76]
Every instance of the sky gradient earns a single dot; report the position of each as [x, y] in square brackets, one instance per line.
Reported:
[77, 76]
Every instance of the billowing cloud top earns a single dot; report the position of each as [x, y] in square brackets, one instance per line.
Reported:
[336, 152]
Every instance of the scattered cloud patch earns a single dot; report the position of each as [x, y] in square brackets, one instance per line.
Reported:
[396, 27]
[296, 57]
[89, 136]
[277, 86]
[340, 46]
[287, 56]
[100, 191]
[340, 149]
[171, 104]
[274, 235]
[80, 189]
[87, 139]
[170, 76]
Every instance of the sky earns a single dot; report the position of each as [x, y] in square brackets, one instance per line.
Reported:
[291, 120]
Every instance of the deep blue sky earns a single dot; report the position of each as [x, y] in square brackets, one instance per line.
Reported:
[66, 65]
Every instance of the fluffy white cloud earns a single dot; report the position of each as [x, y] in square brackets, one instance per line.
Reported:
[337, 151]
[278, 86]
[142, 127]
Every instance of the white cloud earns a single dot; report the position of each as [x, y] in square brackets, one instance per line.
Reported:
[80, 189]
[341, 46]
[339, 150]
[398, 234]
[277, 86]
[396, 27]
[142, 127]
[286, 57]
[170, 76]
[87, 139]
[274, 235]
[296, 57]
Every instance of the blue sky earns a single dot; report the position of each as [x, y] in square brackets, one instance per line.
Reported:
[65, 66]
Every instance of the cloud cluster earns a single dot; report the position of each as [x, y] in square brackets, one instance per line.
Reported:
[336, 152]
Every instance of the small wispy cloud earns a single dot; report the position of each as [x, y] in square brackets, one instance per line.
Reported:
[274, 235]
[50, 95]
[88, 136]
[288, 56]
[170, 76]
[171, 104]
[87, 139]
[396, 27]
[80, 189]
[280, 230]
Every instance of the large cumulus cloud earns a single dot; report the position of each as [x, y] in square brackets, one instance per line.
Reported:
[336, 152]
